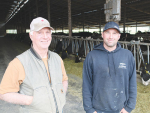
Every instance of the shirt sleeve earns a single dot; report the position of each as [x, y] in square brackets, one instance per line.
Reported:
[65, 77]
[13, 77]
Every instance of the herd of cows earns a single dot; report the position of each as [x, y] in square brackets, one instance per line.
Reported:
[65, 52]
[68, 50]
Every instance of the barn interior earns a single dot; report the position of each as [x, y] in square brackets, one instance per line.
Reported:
[79, 15]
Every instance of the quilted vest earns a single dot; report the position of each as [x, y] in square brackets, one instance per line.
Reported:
[47, 97]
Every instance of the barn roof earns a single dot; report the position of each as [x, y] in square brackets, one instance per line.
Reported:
[89, 12]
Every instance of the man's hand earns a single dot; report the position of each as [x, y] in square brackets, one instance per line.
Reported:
[123, 111]
[65, 85]
[94, 112]
[16, 98]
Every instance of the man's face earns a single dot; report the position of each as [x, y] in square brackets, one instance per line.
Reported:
[110, 39]
[41, 39]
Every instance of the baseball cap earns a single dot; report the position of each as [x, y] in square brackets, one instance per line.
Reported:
[39, 23]
[111, 25]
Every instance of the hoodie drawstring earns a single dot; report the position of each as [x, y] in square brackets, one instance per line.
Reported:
[114, 63]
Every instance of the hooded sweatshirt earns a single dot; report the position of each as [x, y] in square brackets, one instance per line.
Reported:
[109, 80]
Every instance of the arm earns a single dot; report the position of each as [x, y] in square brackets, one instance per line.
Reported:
[65, 85]
[65, 77]
[13, 77]
[87, 87]
[132, 87]
[16, 98]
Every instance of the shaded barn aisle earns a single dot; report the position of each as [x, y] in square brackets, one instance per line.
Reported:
[8, 50]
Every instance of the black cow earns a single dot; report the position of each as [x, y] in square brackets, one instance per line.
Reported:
[77, 58]
[67, 51]
[58, 48]
[80, 54]
[127, 37]
[144, 47]
[145, 74]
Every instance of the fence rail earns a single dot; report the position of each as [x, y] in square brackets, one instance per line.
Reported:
[134, 46]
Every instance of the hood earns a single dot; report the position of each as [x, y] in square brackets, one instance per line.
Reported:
[101, 47]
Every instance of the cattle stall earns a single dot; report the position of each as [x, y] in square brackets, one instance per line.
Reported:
[140, 50]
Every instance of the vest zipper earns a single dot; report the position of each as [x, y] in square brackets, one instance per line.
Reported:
[54, 98]
[52, 88]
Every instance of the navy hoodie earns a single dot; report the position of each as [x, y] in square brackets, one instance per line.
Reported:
[109, 80]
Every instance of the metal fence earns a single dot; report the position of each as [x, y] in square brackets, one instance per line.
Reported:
[134, 46]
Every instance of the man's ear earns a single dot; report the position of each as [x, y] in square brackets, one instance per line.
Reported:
[30, 35]
[102, 34]
[119, 36]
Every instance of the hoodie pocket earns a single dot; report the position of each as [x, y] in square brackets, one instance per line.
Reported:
[109, 99]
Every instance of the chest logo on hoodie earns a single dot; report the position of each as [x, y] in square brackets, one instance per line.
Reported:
[122, 65]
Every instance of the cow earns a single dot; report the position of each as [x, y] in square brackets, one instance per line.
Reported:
[58, 48]
[67, 51]
[144, 47]
[80, 53]
[145, 74]
[77, 58]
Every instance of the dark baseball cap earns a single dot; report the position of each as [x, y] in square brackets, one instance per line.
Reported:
[111, 24]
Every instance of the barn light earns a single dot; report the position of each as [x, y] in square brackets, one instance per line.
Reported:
[13, 5]
[94, 10]
[15, 2]
[26, 1]
[21, 6]
[16, 8]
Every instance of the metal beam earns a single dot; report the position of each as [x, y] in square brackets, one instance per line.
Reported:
[138, 10]
[138, 21]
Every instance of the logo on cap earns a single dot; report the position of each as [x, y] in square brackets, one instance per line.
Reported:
[116, 27]
[42, 20]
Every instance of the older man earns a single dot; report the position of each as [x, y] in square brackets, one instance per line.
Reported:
[36, 79]
[109, 76]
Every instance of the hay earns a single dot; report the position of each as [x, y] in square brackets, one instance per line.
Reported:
[143, 99]
[73, 68]
[143, 92]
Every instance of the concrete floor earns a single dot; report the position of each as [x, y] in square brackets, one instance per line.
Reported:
[8, 50]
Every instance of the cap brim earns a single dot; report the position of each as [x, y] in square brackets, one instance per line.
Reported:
[51, 28]
[44, 27]
[111, 28]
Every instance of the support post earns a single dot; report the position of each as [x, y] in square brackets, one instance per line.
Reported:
[29, 11]
[83, 20]
[136, 26]
[62, 26]
[69, 18]
[100, 23]
[124, 22]
[37, 8]
[48, 10]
